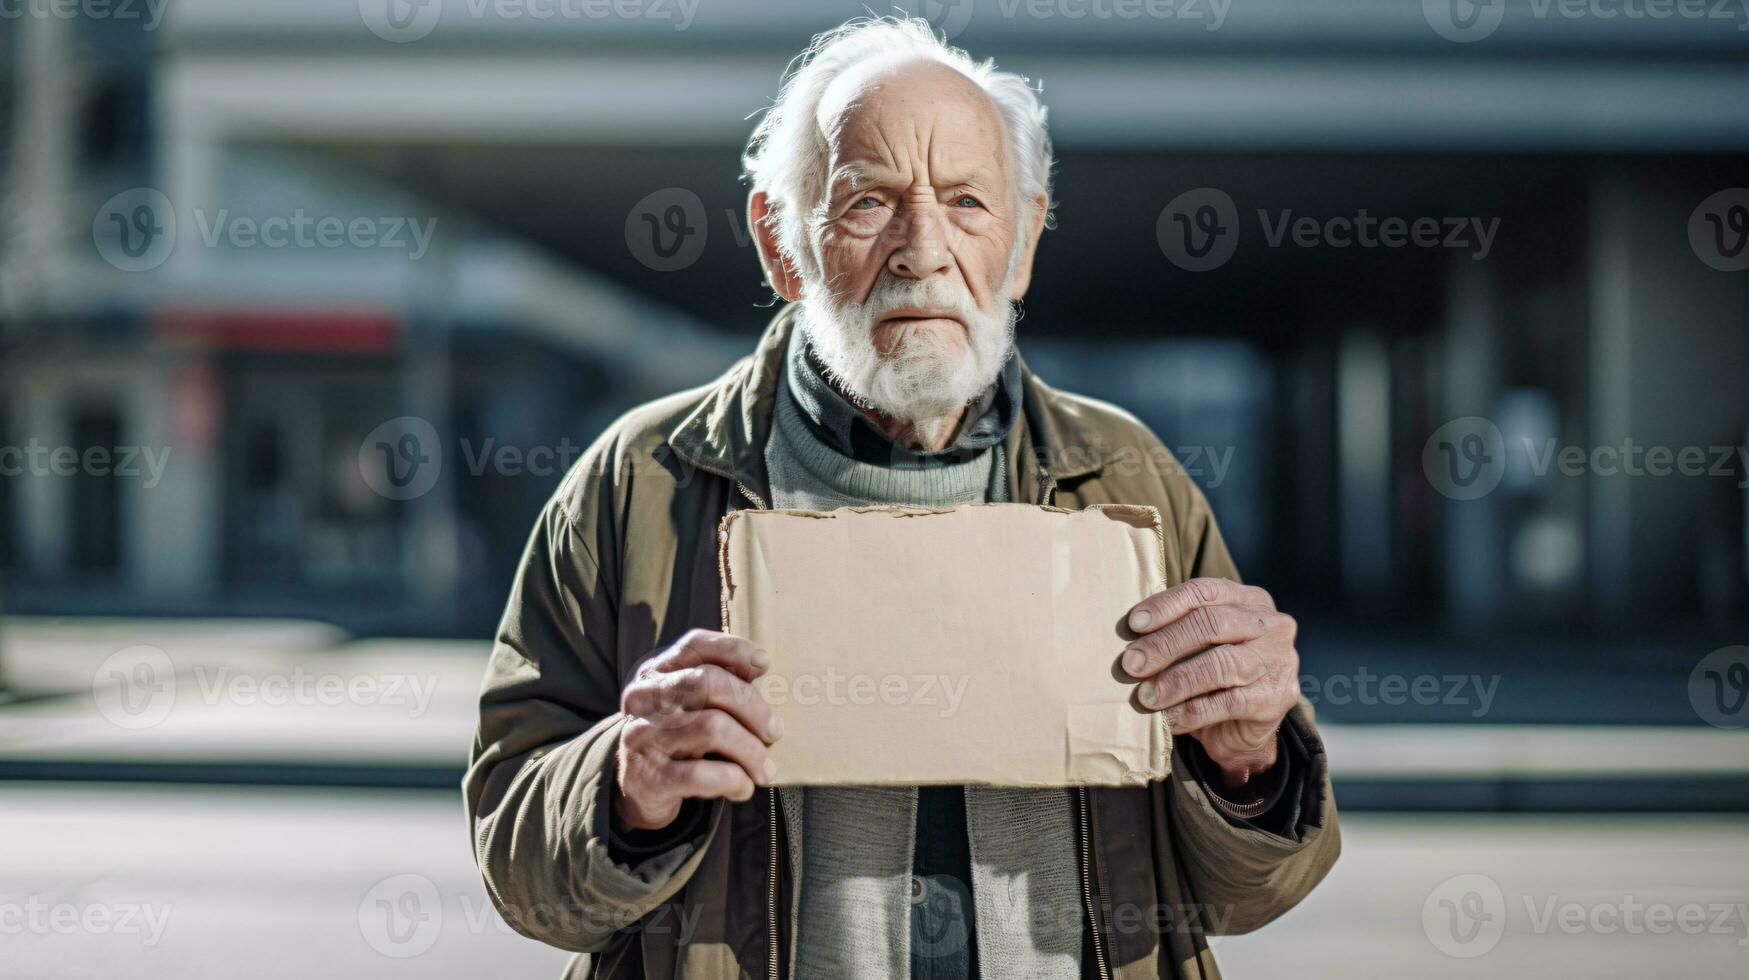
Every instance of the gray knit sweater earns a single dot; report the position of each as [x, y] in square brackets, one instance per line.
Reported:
[853, 845]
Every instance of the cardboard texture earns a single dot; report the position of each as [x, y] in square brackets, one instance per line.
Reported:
[973, 645]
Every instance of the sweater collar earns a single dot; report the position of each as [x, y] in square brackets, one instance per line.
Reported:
[842, 426]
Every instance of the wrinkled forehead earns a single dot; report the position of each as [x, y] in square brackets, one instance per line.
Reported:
[903, 105]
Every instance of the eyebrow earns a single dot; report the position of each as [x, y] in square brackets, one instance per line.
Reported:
[851, 177]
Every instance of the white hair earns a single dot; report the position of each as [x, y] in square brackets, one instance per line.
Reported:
[786, 156]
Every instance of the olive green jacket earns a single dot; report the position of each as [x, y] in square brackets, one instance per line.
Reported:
[623, 560]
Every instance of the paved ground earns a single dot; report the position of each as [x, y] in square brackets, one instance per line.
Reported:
[191, 881]
[276, 883]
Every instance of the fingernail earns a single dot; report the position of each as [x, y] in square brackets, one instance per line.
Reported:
[761, 659]
[776, 728]
[1150, 694]
[1140, 619]
[1132, 662]
[770, 771]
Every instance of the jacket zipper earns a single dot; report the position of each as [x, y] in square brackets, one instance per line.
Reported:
[771, 878]
[758, 501]
[771, 888]
[1087, 886]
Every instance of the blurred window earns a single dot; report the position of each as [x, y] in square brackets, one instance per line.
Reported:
[96, 505]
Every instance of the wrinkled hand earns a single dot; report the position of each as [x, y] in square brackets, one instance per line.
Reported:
[695, 728]
[1219, 659]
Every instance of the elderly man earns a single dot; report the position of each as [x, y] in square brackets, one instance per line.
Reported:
[620, 788]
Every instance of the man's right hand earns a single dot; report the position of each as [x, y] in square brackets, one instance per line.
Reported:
[695, 727]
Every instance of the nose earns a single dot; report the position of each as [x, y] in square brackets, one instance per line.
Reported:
[922, 246]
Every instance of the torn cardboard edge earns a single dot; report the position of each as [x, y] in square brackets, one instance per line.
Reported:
[1100, 734]
[1141, 515]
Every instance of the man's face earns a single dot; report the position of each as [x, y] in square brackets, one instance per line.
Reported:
[916, 239]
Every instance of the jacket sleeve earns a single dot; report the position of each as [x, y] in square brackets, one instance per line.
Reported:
[1246, 877]
[539, 783]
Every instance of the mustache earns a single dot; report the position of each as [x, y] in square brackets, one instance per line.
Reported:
[891, 294]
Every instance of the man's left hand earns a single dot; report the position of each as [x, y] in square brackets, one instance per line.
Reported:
[1219, 659]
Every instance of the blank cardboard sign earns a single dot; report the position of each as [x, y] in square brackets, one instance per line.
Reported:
[973, 645]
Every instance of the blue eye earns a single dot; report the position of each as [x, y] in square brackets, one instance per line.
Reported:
[968, 201]
[866, 203]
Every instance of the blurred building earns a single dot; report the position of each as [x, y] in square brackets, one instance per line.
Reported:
[229, 380]
[554, 152]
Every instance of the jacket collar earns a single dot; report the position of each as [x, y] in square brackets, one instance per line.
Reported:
[727, 431]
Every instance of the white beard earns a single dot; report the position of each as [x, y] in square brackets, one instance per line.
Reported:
[925, 381]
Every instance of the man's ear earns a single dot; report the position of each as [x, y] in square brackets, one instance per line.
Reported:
[778, 270]
[1032, 223]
